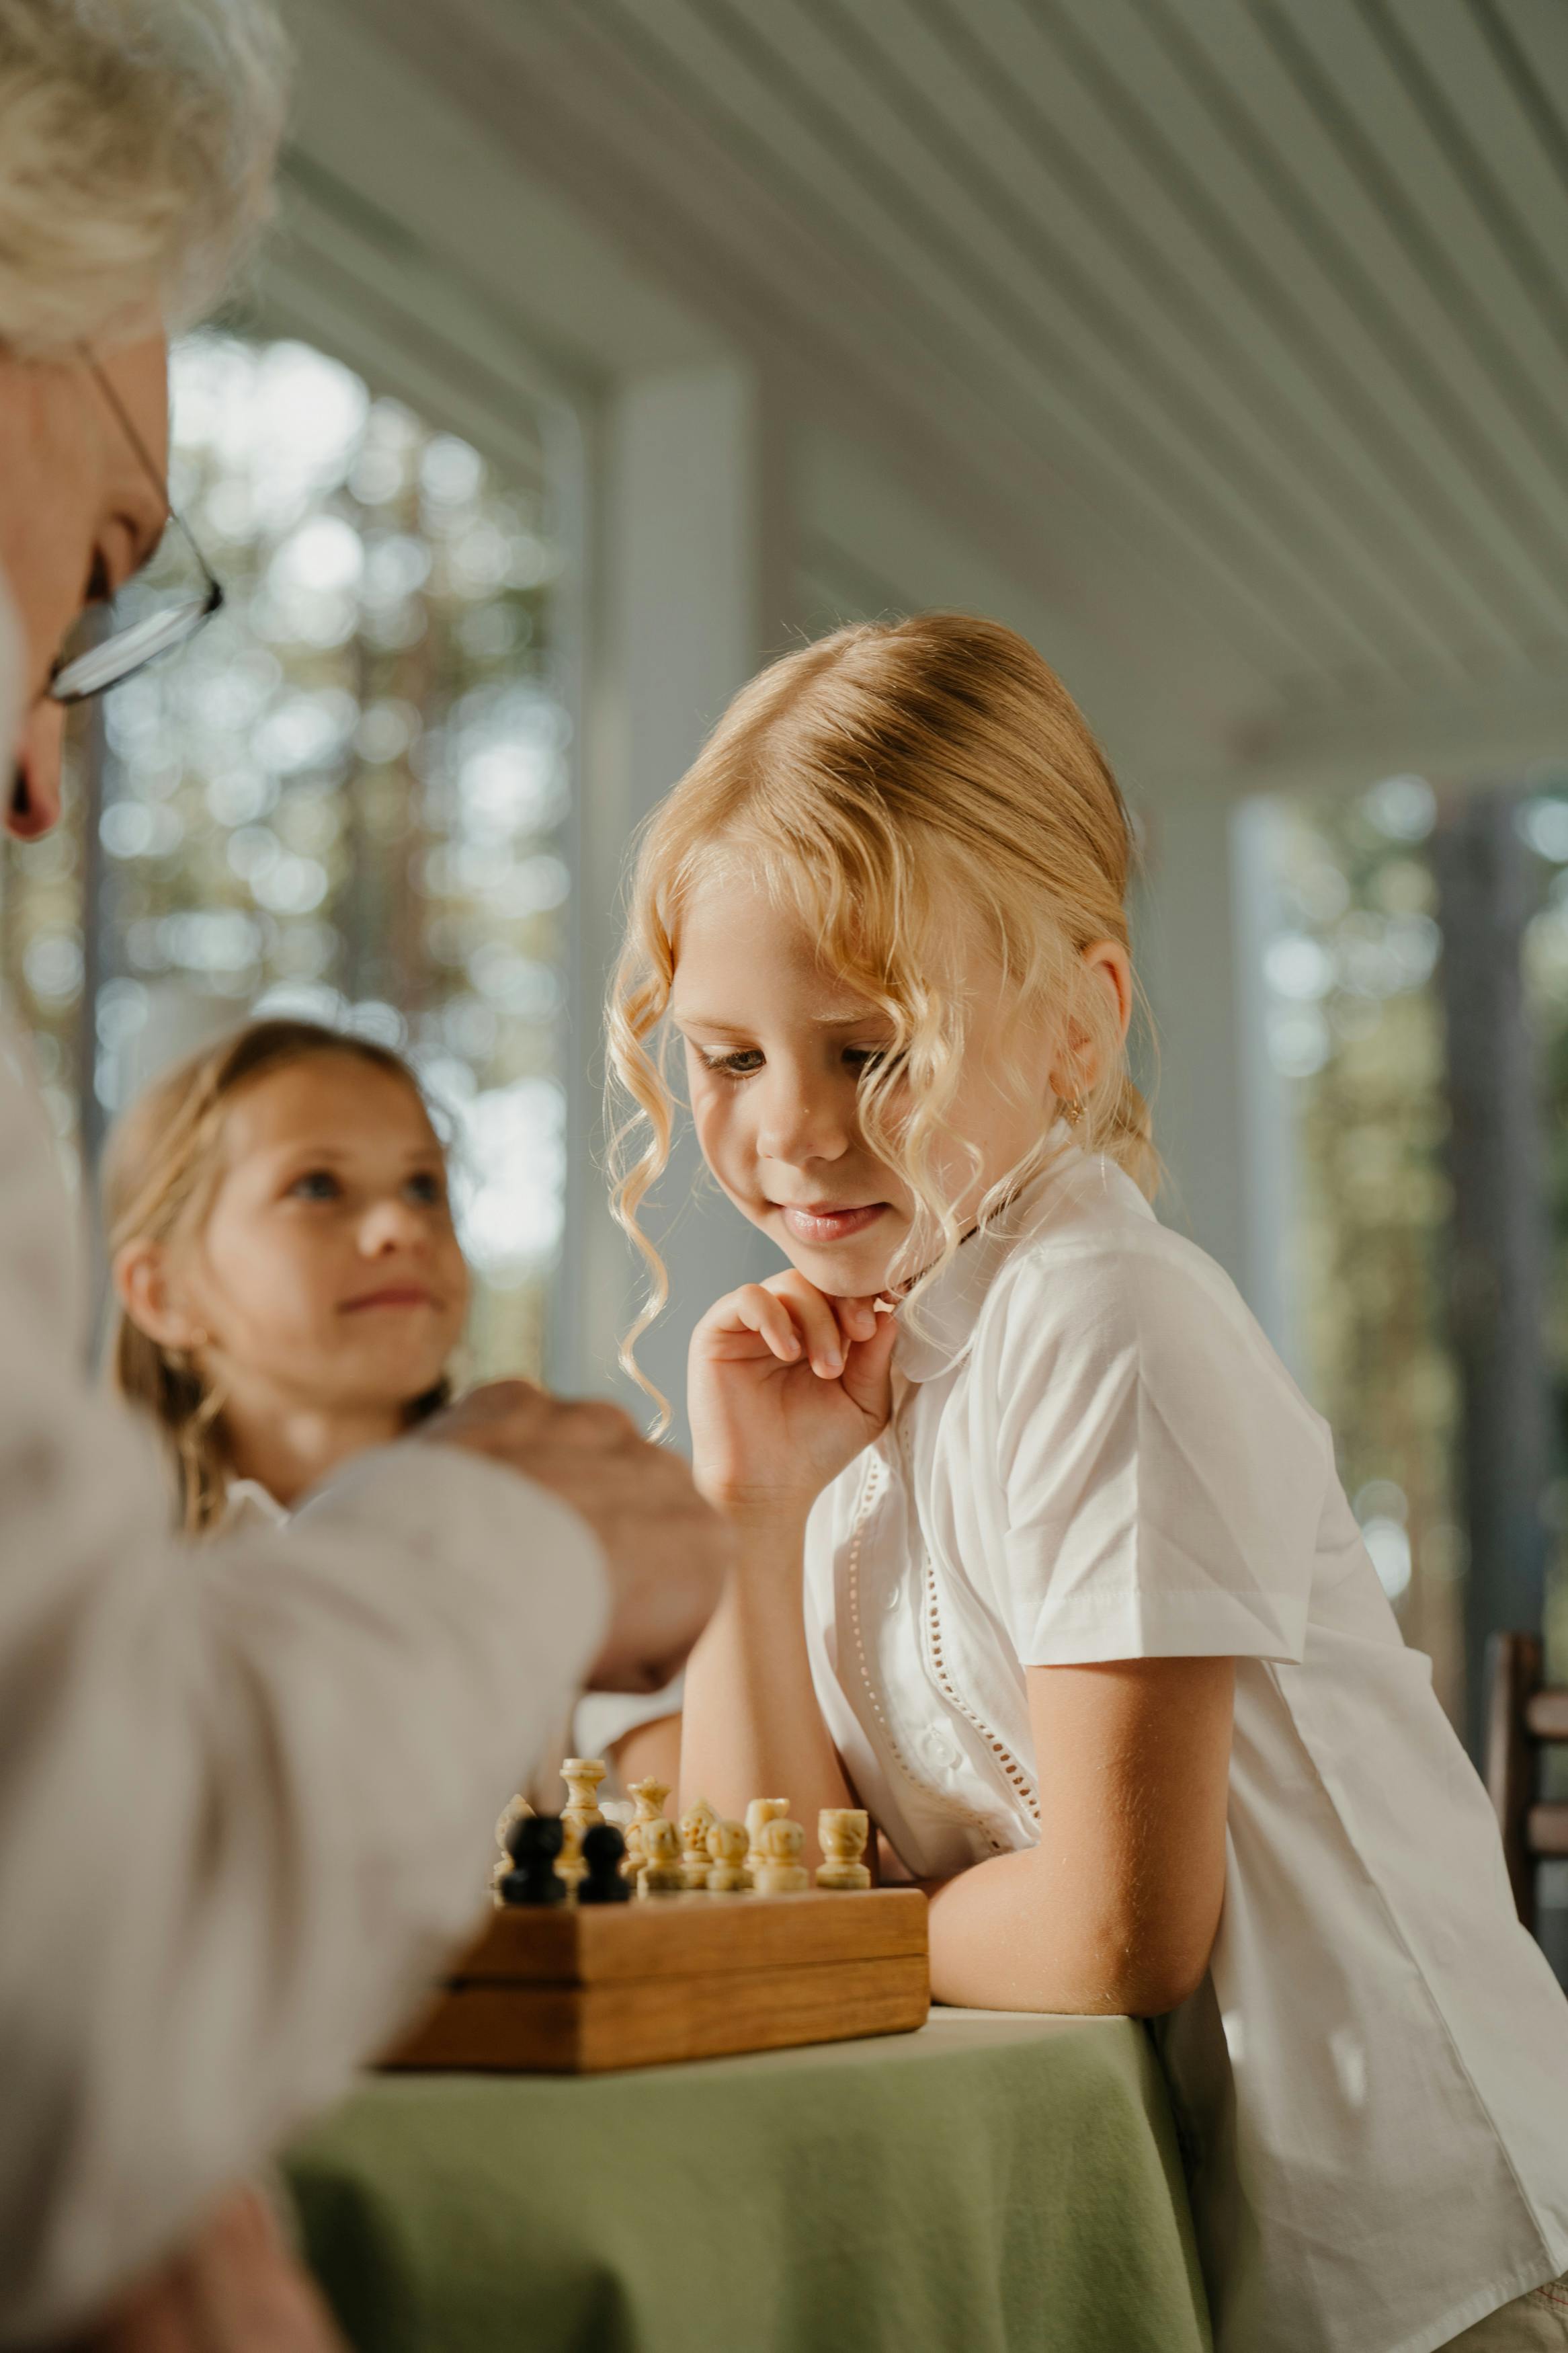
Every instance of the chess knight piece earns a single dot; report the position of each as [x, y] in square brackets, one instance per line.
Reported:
[727, 1873]
[841, 1833]
[660, 1873]
[781, 1870]
[582, 1776]
[651, 1796]
[695, 1824]
[758, 1813]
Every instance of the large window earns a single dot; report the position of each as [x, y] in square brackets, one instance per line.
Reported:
[1357, 926]
[350, 797]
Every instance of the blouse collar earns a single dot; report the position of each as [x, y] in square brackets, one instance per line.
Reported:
[937, 1325]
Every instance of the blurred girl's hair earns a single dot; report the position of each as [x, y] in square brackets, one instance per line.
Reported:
[903, 788]
[161, 1168]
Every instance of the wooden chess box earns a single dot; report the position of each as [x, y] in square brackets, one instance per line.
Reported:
[576, 1990]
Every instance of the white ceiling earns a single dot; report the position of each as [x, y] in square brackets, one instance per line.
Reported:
[1237, 330]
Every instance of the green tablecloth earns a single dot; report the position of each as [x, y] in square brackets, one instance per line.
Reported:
[989, 2184]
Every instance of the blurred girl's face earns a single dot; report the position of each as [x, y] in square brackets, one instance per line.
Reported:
[327, 1275]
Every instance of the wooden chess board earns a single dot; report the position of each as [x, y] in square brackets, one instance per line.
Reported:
[575, 1990]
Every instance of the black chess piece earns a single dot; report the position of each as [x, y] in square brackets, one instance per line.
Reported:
[533, 1842]
[603, 1846]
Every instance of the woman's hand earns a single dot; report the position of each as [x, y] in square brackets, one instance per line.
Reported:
[786, 1386]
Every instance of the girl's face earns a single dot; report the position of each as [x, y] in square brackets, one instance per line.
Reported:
[775, 1049]
[327, 1275]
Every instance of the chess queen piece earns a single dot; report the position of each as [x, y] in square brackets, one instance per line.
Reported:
[533, 1842]
[517, 1810]
[727, 1873]
[582, 1776]
[695, 1824]
[758, 1813]
[781, 1870]
[603, 1848]
[841, 1833]
[661, 1873]
[651, 1796]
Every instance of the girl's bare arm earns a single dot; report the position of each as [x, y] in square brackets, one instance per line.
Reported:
[752, 1727]
[786, 1386]
[1116, 1909]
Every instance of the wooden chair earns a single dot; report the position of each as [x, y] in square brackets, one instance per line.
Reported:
[1522, 1714]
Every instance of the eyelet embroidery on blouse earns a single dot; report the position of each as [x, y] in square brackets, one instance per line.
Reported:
[1022, 1785]
[868, 1494]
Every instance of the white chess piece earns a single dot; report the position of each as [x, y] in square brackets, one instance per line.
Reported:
[695, 1824]
[841, 1833]
[651, 1796]
[582, 1776]
[660, 1873]
[781, 1870]
[758, 1813]
[515, 1810]
[727, 1873]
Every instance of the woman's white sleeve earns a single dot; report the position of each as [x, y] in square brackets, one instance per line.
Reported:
[246, 1791]
[1163, 1479]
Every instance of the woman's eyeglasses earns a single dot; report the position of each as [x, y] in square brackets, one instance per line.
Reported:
[130, 644]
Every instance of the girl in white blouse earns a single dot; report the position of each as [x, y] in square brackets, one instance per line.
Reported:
[1050, 1567]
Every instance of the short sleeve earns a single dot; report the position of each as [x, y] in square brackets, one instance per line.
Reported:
[1163, 1479]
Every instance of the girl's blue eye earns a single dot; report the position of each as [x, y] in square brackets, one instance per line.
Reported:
[865, 1057]
[316, 1185]
[427, 1189]
[741, 1065]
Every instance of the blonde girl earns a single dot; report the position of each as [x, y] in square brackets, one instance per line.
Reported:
[289, 1285]
[1049, 1567]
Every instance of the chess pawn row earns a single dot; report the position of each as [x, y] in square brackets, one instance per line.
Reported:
[781, 1870]
[841, 1833]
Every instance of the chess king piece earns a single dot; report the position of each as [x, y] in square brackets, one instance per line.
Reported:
[651, 1796]
[533, 1842]
[603, 1848]
[758, 1813]
[516, 1810]
[781, 1870]
[660, 1873]
[582, 1776]
[727, 1873]
[695, 1824]
[841, 1833]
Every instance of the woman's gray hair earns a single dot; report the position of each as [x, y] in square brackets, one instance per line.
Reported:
[137, 145]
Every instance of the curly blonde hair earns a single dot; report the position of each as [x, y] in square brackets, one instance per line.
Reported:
[161, 1167]
[898, 786]
[137, 145]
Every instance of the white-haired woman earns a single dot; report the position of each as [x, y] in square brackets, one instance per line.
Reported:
[244, 1797]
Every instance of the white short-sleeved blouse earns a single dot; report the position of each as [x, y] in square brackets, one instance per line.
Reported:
[1095, 1454]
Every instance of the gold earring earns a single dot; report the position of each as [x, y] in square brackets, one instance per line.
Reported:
[1072, 1111]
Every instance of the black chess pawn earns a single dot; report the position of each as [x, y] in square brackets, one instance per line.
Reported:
[603, 1846]
[533, 1844]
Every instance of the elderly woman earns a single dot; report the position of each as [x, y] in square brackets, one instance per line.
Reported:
[234, 1837]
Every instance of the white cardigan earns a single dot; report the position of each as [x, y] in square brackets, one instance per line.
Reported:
[247, 1789]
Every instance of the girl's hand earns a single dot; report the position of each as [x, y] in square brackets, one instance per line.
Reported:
[786, 1386]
